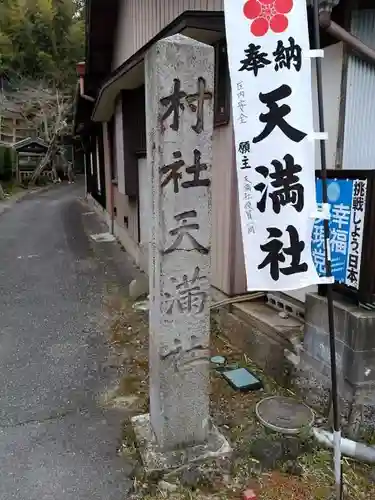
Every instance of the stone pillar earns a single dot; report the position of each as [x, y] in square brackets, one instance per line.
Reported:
[179, 100]
[179, 79]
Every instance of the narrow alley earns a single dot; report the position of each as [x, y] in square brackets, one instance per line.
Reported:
[55, 440]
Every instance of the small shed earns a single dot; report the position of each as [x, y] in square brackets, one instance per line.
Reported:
[30, 153]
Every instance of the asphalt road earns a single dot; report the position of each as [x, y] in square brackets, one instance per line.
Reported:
[56, 443]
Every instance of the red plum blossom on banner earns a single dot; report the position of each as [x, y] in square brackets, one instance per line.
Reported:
[268, 14]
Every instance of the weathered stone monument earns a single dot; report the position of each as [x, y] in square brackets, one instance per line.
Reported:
[179, 77]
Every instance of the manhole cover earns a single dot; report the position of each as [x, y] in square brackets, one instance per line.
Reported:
[285, 415]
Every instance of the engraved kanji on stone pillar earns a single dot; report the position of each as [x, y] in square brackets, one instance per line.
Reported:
[179, 102]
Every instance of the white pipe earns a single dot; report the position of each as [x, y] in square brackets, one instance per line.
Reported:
[239, 298]
[348, 447]
[337, 461]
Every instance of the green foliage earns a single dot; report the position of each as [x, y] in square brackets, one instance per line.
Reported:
[7, 160]
[41, 39]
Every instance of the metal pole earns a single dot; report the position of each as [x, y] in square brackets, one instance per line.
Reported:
[331, 325]
[233, 224]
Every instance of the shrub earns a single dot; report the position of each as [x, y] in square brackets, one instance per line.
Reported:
[7, 159]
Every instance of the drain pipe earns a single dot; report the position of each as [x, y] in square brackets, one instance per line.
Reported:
[81, 74]
[361, 49]
[80, 68]
[350, 448]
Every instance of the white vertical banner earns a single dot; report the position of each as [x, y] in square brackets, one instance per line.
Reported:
[270, 70]
[356, 233]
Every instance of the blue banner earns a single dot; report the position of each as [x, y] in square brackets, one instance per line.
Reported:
[347, 200]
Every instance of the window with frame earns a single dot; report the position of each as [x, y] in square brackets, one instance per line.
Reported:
[134, 137]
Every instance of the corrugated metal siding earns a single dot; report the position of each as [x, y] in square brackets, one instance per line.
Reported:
[141, 20]
[332, 64]
[359, 145]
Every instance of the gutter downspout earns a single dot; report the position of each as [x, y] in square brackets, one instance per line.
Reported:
[361, 49]
[80, 68]
[112, 209]
[112, 190]
[81, 75]
[82, 90]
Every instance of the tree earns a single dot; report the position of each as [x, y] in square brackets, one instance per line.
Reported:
[53, 113]
[41, 39]
[40, 44]
[44, 109]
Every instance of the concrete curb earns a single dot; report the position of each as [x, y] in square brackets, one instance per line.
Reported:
[8, 204]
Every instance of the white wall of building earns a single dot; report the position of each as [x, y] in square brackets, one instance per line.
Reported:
[144, 210]
[332, 64]
[119, 148]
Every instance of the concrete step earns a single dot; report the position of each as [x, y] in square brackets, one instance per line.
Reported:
[268, 320]
[258, 330]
